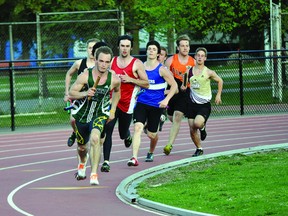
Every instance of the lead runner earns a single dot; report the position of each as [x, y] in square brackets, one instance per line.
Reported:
[92, 115]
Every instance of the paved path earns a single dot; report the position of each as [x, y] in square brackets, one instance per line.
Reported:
[37, 168]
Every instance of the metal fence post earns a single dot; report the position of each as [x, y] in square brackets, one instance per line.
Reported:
[39, 57]
[12, 100]
[12, 80]
[241, 83]
[276, 45]
[122, 25]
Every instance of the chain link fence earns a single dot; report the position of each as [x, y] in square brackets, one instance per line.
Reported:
[35, 56]
[63, 35]
[253, 84]
[58, 35]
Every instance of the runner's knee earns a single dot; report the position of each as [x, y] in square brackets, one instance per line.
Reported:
[138, 127]
[82, 148]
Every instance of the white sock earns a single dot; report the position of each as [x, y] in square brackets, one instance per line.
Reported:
[106, 161]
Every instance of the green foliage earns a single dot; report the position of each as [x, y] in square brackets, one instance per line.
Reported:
[240, 19]
[37, 6]
[199, 18]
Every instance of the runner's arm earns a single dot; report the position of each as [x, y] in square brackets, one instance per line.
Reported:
[213, 75]
[75, 90]
[73, 69]
[116, 83]
[166, 74]
[139, 69]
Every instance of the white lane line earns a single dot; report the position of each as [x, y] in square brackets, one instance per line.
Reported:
[117, 140]
[11, 195]
[35, 154]
[29, 148]
[282, 121]
[35, 163]
[35, 141]
[160, 146]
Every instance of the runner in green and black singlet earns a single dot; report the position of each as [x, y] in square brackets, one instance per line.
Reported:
[99, 104]
[94, 108]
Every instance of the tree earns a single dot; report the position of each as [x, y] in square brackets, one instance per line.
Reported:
[25, 11]
[154, 16]
[244, 20]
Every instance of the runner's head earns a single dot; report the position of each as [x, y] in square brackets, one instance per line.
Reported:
[89, 46]
[125, 44]
[103, 58]
[163, 55]
[183, 44]
[97, 45]
[125, 37]
[155, 43]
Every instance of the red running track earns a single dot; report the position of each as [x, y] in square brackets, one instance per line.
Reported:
[37, 168]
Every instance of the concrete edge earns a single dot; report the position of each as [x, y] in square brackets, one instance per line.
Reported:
[126, 191]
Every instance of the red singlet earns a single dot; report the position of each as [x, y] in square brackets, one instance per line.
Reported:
[128, 90]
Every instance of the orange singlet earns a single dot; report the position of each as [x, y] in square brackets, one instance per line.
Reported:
[179, 69]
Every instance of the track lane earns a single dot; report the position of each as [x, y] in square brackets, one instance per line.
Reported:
[37, 168]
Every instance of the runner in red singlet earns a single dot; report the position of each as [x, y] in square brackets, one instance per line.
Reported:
[132, 73]
[129, 90]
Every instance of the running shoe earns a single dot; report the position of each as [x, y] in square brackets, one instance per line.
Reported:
[128, 141]
[71, 139]
[203, 133]
[94, 179]
[105, 167]
[81, 171]
[198, 152]
[149, 157]
[167, 149]
[133, 162]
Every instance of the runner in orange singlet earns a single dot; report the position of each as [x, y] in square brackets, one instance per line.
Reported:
[177, 106]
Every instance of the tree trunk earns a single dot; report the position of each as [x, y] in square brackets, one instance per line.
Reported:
[171, 41]
[152, 36]
[135, 35]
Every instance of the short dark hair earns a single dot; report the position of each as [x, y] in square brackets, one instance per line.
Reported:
[97, 45]
[153, 42]
[125, 37]
[105, 50]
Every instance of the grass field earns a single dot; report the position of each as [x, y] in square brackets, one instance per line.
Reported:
[236, 185]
